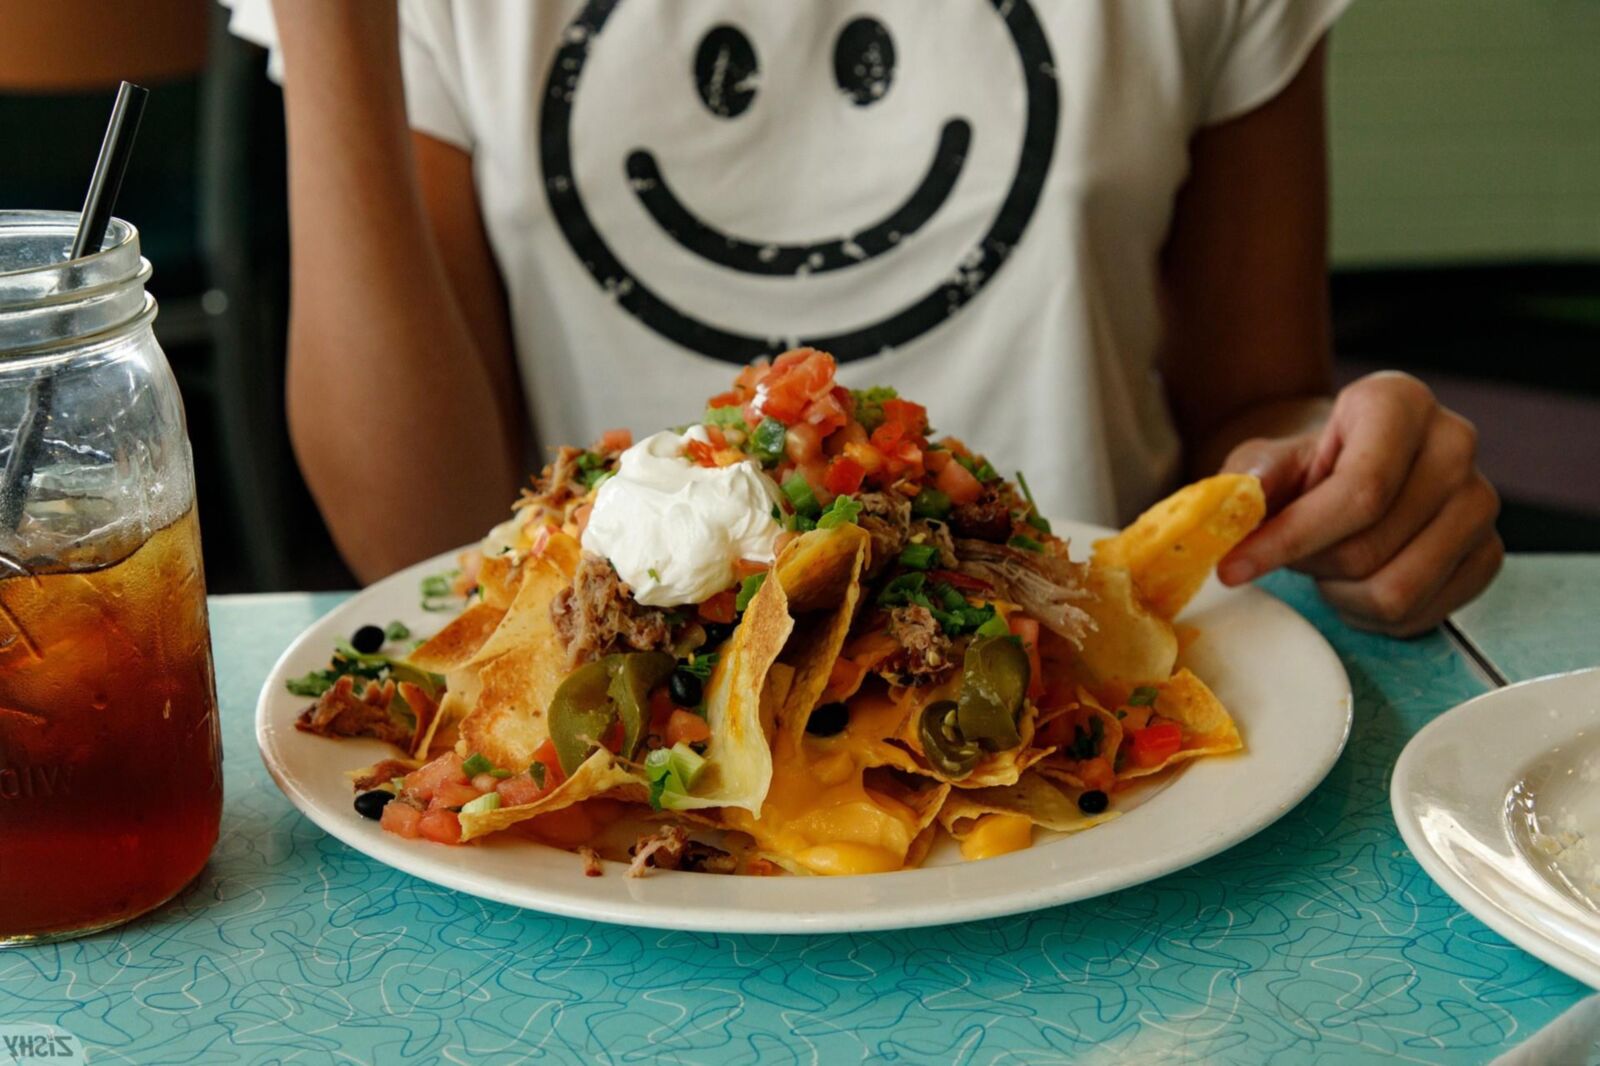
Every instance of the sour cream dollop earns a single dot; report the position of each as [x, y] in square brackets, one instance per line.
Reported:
[674, 529]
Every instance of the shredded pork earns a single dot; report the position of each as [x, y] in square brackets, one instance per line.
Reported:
[1045, 585]
[886, 516]
[592, 866]
[669, 848]
[339, 712]
[597, 614]
[925, 654]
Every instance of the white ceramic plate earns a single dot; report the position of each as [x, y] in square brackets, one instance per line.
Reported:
[1282, 682]
[1499, 800]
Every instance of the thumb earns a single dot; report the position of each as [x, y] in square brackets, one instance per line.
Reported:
[1282, 463]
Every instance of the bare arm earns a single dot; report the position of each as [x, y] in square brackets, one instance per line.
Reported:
[1376, 492]
[1245, 272]
[401, 391]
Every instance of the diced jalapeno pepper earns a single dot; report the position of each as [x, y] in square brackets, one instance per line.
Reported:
[942, 742]
[994, 679]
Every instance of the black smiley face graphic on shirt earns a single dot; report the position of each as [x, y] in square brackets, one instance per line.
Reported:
[725, 68]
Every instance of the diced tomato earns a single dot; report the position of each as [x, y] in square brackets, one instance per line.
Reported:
[815, 471]
[661, 708]
[1155, 744]
[553, 774]
[796, 379]
[870, 458]
[452, 795]
[849, 433]
[909, 455]
[913, 416]
[886, 436]
[802, 442]
[826, 413]
[522, 788]
[1028, 629]
[445, 770]
[700, 453]
[936, 459]
[614, 440]
[731, 398]
[743, 568]
[401, 819]
[844, 476]
[485, 782]
[687, 727]
[964, 582]
[580, 518]
[715, 436]
[440, 826]
[957, 482]
[720, 608]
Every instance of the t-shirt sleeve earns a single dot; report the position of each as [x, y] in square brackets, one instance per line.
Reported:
[430, 60]
[1263, 48]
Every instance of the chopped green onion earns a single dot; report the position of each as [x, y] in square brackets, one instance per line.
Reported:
[903, 590]
[593, 479]
[869, 405]
[396, 631]
[1038, 521]
[767, 440]
[918, 556]
[1025, 543]
[672, 773]
[730, 415]
[500, 774]
[994, 627]
[311, 685]
[1086, 743]
[476, 764]
[1143, 696]
[536, 771]
[843, 511]
[748, 589]
[655, 575]
[485, 803]
[930, 503]
[804, 501]
[799, 523]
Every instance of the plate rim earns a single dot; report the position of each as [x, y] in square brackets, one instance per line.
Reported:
[633, 911]
[1467, 895]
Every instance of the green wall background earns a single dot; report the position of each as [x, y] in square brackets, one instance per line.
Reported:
[1465, 131]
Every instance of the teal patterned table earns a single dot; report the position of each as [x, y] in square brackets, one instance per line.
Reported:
[1320, 940]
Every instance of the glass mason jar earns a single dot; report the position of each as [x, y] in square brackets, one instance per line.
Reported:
[110, 758]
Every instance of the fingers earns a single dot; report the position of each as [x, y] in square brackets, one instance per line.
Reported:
[1280, 464]
[1373, 437]
[1441, 469]
[1442, 568]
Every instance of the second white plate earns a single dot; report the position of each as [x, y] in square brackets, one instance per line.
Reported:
[1271, 668]
[1499, 800]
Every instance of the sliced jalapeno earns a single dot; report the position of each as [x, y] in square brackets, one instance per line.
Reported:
[994, 679]
[951, 753]
[635, 674]
[581, 711]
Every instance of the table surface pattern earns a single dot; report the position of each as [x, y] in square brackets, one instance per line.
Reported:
[1319, 940]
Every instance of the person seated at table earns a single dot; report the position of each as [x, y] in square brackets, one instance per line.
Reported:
[1091, 235]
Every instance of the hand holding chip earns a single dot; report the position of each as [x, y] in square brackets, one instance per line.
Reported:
[1384, 505]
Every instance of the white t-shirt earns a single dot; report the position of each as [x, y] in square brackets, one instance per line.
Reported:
[961, 198]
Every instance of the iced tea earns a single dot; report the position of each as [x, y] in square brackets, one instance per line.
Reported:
[110, 775]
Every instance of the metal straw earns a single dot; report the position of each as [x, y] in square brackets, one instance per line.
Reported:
[104, 185]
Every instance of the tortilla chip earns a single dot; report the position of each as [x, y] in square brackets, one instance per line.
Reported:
[1033, 796]
[1129, 642]
[1172, 548]
[739, 755]
[457, 643]
[599, 773]
[1208, 729]
[993, 768]
[1062, 766]
[507, 685]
